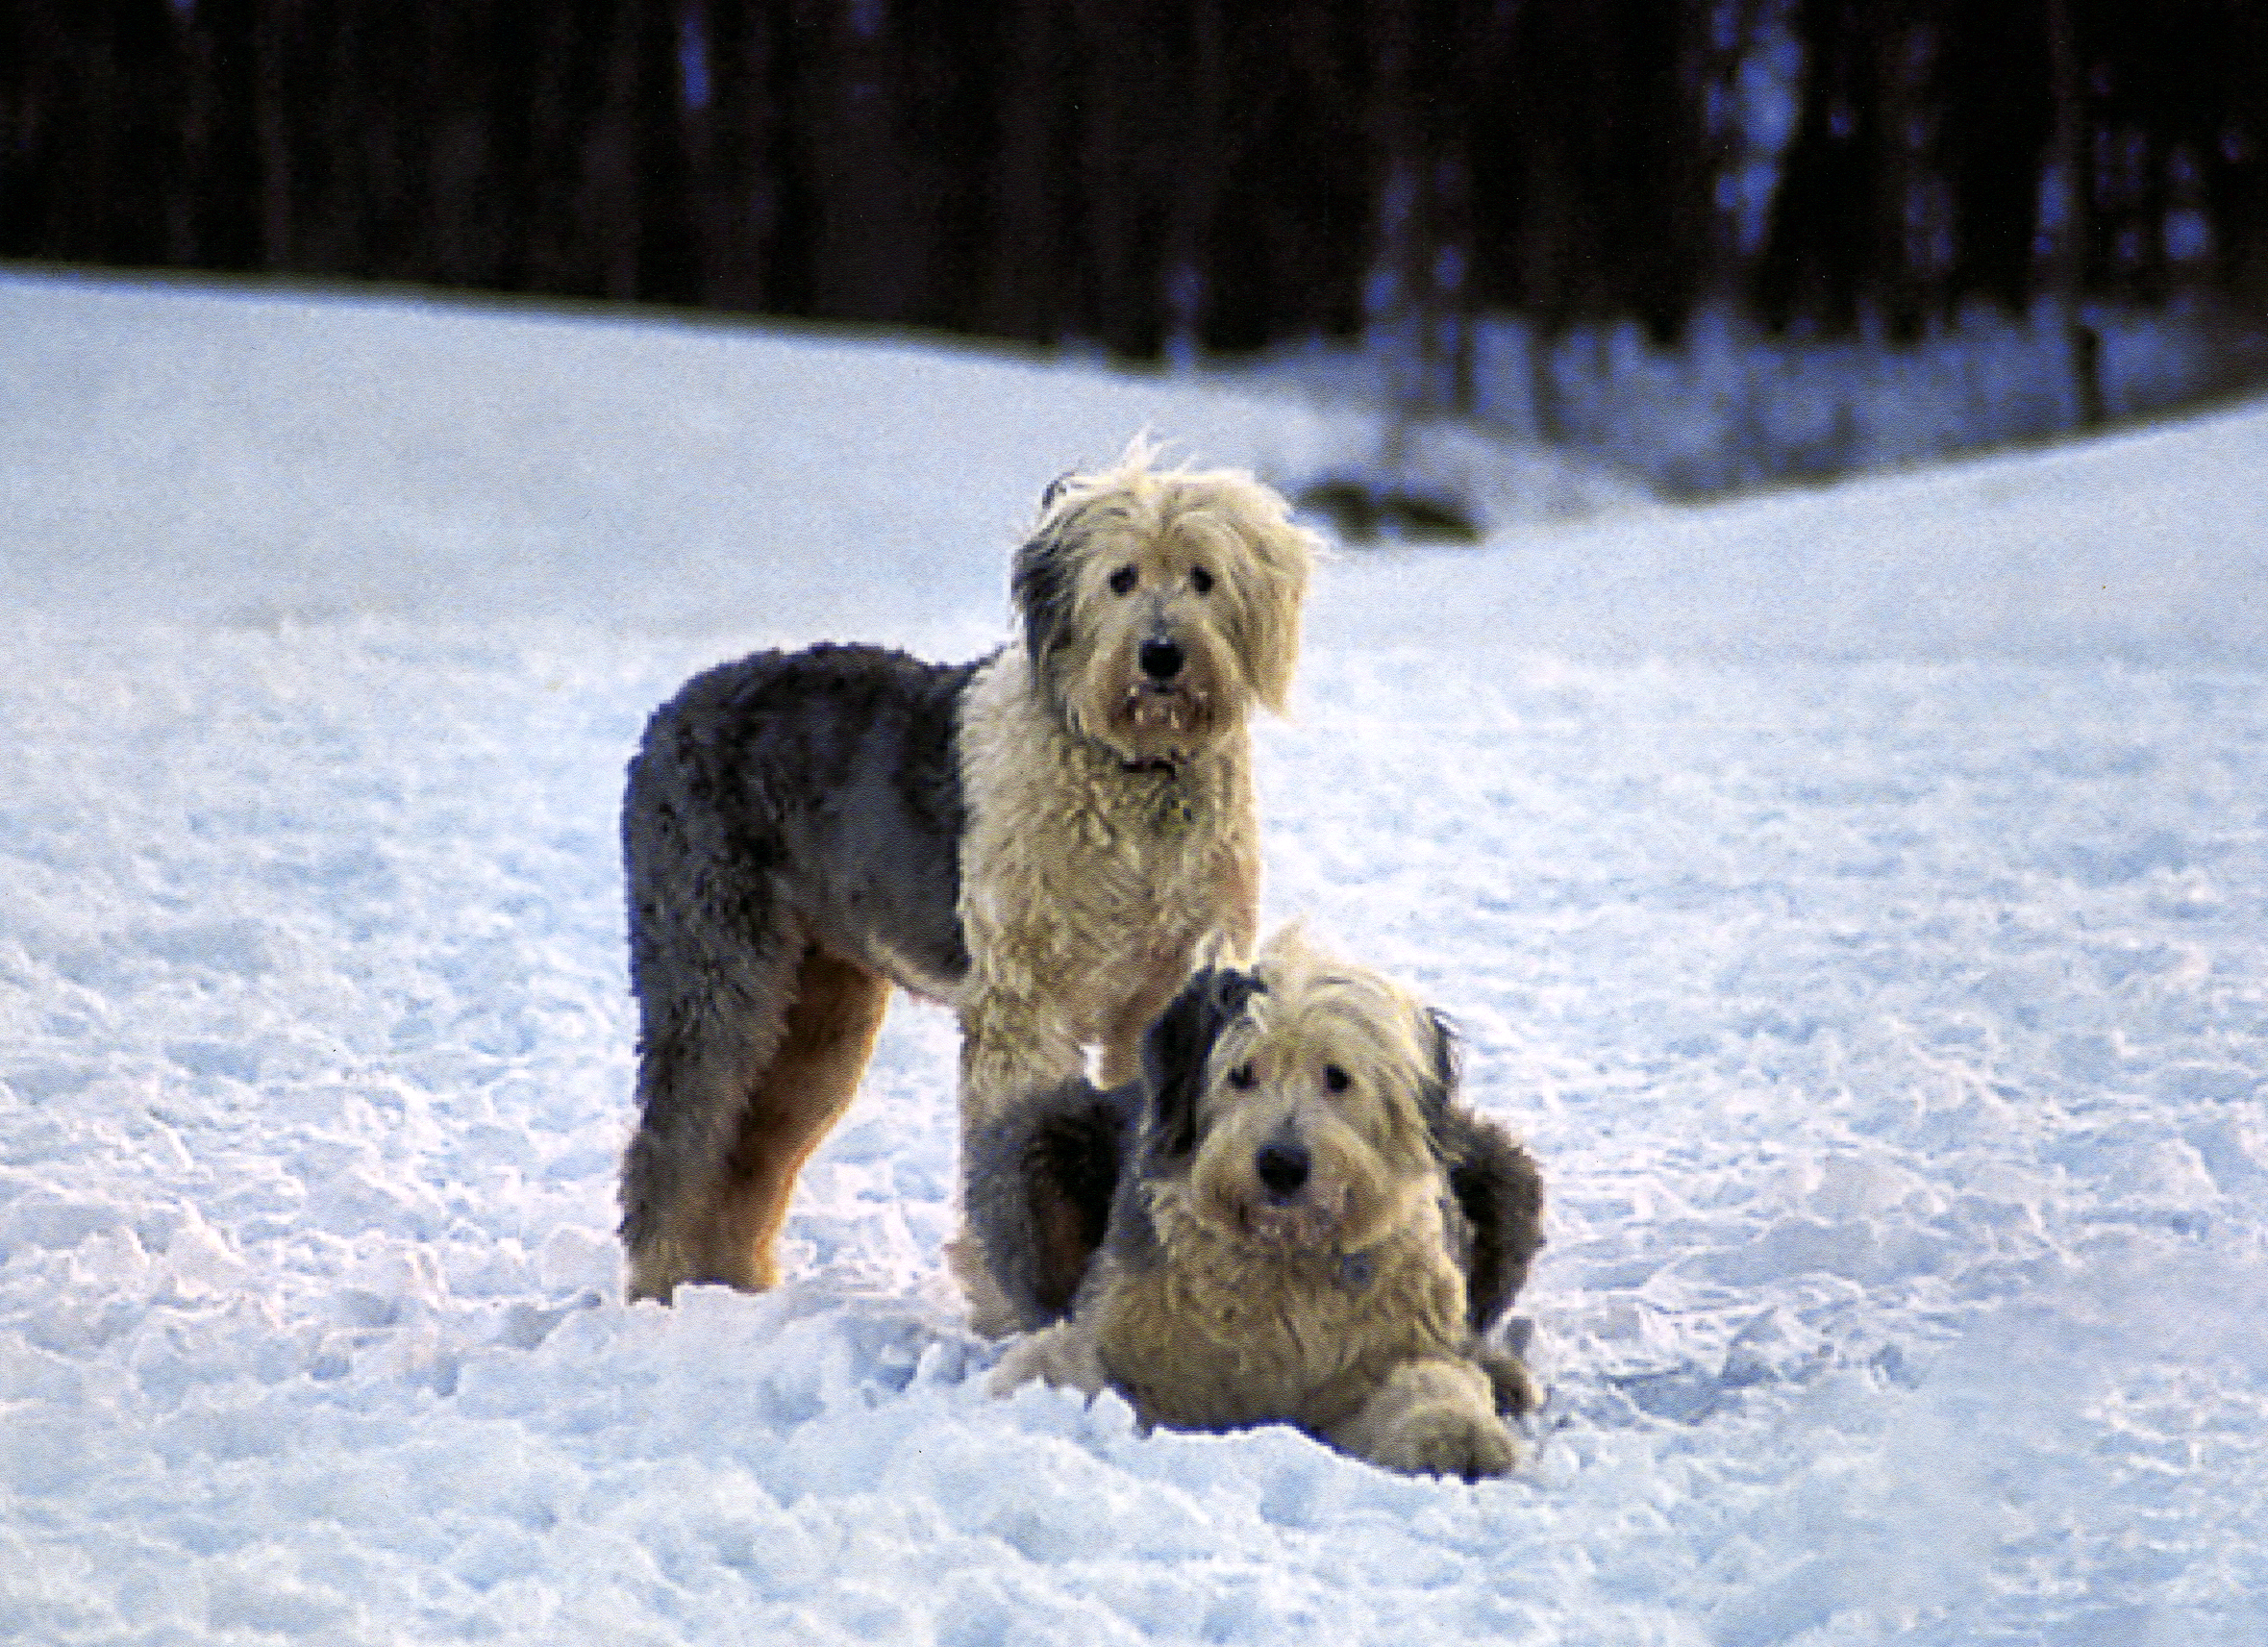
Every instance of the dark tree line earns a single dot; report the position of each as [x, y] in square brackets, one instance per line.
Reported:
[1131, 171]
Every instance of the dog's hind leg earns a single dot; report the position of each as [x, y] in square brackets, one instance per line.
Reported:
[735, 1092]
[831, 1022]
[694, 1075]
[709, 1029]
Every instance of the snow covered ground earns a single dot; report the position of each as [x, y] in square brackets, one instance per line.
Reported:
[1732, 405]
[1857, 897]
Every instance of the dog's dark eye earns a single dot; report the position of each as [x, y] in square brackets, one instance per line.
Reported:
[1122, 581]
[1240, 1077]
[1334, 1078]
[1200, 580]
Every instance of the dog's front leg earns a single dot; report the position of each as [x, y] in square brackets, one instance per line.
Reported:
[1432, 1417]
[1064, 1355]
[1009, 1046]
[1007, 1049]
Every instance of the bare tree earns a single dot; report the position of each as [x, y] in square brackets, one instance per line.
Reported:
[2067, 279]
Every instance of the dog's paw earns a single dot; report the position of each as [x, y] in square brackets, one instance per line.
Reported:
[1451, 1440]
[1517, 1393]
[1061, 1355]
[1432, 1418]
[991, 1314]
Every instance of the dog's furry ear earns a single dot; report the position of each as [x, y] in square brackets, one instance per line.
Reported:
[1268, 579]
[1044, 587]
[1176, 1049]
[1494, 1182]
[1275, 589]
[1500, 1191]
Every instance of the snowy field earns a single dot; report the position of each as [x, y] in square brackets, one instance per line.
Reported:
[1857, 897]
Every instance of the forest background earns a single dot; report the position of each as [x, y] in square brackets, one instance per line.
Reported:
[1202, 179]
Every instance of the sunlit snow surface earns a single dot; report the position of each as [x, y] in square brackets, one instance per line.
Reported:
[1860, 899]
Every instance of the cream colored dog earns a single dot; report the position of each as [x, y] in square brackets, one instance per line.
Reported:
[1113, 841]
[1289, 1220]
[1049, 839]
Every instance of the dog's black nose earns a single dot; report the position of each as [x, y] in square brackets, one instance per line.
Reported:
[1162, 660]
[1282, 1168]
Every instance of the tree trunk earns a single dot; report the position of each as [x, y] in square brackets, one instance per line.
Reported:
[2067, 278]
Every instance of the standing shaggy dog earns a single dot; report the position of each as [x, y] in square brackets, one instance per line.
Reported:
[1049, 839]
[1289, 1220]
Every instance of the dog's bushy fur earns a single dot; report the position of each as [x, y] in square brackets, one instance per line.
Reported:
[1049, 839]
[1289, 1218]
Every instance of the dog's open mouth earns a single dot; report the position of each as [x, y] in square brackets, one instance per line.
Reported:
[1163, 710]
[1306, 1224]
[1162, 721]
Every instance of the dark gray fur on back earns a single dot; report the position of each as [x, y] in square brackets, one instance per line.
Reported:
[828, 781]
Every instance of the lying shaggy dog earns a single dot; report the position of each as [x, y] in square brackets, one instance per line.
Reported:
[1049, 838]
[1290, 1219]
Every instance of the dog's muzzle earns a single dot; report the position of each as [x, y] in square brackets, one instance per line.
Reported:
[1164, 703]
[1289, 1208]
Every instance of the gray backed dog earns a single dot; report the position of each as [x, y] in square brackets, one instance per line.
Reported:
[1290, 1219]
[1049, 839]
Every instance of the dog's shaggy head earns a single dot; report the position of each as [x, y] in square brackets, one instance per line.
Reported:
[1296, 1107]
[1159, 604]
